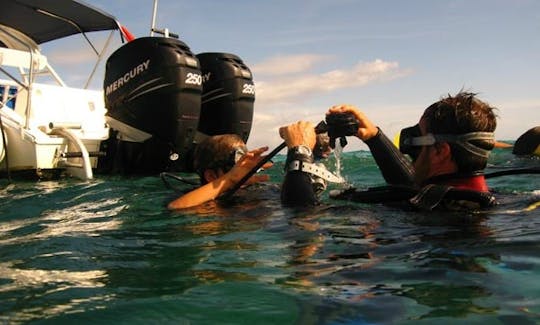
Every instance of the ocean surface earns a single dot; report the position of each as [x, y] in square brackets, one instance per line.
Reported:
[107, 251]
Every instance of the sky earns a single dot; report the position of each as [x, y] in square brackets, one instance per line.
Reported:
[391, 59]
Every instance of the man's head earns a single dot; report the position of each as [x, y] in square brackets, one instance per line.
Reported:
[216, 155]
[322, 147]
[456, 136]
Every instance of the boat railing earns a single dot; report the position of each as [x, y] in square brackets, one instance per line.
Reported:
[29, 64]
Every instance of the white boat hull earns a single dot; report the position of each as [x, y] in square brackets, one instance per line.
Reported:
[47, 125]
[65, 122]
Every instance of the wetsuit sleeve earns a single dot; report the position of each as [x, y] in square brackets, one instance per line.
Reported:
[395, 167]
[297, 189]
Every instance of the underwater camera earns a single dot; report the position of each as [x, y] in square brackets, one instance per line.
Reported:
[338, 125]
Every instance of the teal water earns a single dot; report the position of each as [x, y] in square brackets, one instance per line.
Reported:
[109, 252]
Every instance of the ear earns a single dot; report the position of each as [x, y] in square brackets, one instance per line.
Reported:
[443, 152]
[210, 175]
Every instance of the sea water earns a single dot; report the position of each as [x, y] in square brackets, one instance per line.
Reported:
[108, 251]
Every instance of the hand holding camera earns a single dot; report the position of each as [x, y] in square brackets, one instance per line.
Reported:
[339, 125]
[365, 129]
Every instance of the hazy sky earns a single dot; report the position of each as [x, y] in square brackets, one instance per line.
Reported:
[390, 58]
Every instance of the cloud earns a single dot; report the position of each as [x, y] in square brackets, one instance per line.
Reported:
[286, 87]
[266, 123]
[391, 118]
[288, 83]
[73, 57]
[283, 65]
[508, 126]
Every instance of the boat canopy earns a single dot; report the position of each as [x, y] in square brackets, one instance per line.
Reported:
[44, 21]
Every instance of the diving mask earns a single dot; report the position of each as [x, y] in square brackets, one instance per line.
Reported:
[411, 141]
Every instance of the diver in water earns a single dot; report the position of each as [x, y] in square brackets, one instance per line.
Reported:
[220, 161]
[449, 149]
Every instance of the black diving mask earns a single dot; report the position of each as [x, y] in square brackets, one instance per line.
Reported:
[411, 141]
[232, 159]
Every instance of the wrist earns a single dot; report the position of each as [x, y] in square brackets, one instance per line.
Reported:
[371, 133]
[377, 135]
[233, 176]
[300, 153]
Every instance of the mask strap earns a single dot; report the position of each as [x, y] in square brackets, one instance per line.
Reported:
[463, 141]
[424, 140]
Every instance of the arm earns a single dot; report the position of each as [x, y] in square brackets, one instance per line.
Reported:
[395, 168]
[223, 183]
[202, 194]
[297, 189]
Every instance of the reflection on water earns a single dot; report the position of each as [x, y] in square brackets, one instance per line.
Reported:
[18, 278]
[82, 219]
[447, 300]
[108, 250]
[49, 283]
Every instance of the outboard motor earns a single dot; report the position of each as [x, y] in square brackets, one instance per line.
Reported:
[228, 95]
[152, 92]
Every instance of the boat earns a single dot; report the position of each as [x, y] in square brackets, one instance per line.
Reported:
[48, 127]
[158, 97]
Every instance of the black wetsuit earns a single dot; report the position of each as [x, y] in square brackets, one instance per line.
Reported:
[395, 167]
[399, 175]
[297, 188]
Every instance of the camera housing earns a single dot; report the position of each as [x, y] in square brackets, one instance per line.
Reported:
[339, 125]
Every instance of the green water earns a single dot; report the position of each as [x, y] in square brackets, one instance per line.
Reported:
[109, 252]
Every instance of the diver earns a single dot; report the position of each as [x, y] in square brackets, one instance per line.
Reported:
[448, 151]
[220, 161]
[223, 162]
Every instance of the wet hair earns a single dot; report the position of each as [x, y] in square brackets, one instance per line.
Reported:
[216, 152]
[322, 146]
[460, 114]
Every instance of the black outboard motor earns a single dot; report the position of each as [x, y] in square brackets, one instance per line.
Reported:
[152, 91]
[228, 95]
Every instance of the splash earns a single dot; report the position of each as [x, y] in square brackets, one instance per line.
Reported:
[338, 151]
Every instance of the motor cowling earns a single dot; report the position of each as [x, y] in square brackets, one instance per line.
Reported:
[152, 91]
[228, 95]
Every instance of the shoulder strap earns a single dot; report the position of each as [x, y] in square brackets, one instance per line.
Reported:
[380, 194]
[430, 196]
